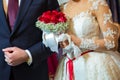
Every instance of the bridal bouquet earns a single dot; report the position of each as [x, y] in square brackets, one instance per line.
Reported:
[52, 22]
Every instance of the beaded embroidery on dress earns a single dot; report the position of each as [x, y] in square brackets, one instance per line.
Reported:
[102, 63]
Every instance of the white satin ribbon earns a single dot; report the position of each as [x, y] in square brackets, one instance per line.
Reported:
[50, 41]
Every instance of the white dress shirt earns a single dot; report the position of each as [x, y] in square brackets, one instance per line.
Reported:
[27, 51]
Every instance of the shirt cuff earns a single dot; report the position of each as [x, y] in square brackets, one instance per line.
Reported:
[29, 61]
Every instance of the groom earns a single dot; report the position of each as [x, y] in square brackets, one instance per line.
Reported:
[23, 56]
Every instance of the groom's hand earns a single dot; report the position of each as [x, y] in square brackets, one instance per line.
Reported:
[15, 56]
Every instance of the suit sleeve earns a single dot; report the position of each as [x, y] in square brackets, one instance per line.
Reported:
[39, 51]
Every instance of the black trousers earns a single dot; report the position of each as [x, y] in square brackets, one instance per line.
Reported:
[11, 76]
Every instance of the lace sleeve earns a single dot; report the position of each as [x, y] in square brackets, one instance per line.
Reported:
[108, 30]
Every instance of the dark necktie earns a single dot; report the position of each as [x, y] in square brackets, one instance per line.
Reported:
[12, 12]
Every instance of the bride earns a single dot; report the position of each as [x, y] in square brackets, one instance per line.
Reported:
[96, 37]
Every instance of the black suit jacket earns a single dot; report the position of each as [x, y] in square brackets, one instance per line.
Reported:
[26, 36]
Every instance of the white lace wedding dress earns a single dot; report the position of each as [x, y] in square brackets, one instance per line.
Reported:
[102, 63]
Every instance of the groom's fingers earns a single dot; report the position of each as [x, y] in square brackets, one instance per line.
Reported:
[8, 57]
[7, 53]
[9, 49]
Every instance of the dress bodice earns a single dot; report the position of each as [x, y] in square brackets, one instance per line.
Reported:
[94, 26]
[85, 25]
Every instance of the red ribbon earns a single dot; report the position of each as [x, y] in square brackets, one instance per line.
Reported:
[70, 68]
[69, 65]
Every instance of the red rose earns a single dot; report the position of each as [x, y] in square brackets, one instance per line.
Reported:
[43, 19]
[54, 12]
[61, 14]
[62, 19]
[52, 17]
[58, 20]
[46, 13]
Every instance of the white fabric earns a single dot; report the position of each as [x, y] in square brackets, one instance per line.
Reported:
[62, 1]
[72, 50]
[50, 40]
[63, 37]
[97, 65]
[29, 62]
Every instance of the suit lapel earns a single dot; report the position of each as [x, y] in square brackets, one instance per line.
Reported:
[24, 5]
[3, 18]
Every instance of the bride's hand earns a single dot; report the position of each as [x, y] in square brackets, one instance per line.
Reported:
[75, 39]
[64, 43]
[64, 40]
